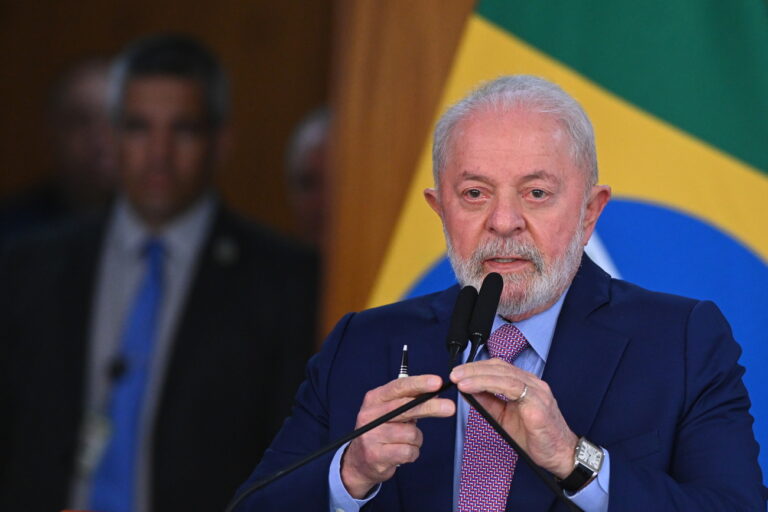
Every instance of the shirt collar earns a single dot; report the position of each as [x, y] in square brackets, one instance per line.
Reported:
[538, 329]
[181, 237]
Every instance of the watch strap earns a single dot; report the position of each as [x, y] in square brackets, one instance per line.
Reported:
[582, 474]
[579, 477]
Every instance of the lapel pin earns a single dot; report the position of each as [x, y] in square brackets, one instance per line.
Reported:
[225, 251]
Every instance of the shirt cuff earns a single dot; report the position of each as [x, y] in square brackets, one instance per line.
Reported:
[340, 499]
[594, 497]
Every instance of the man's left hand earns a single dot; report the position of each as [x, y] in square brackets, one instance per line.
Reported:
[535, 422]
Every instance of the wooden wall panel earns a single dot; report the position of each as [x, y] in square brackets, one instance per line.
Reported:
[390, 62]
[277, 53]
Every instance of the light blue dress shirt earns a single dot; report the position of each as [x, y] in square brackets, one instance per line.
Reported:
[118, 276]
[538, 330]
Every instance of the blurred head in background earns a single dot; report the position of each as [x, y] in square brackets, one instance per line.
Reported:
[83, 152]
[306, 175]
[169, 101]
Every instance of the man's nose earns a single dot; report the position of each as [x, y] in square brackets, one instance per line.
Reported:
[161, 148]
[505, 217]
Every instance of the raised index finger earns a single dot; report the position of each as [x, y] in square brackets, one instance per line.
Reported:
[409, 387]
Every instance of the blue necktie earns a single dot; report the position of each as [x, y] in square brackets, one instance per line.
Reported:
[113, 481]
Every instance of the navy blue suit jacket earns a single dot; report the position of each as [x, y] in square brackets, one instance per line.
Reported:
[652, 377]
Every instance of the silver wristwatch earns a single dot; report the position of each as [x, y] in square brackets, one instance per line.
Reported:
[587, 461]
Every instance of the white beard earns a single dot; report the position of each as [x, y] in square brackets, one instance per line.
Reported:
[526, 292]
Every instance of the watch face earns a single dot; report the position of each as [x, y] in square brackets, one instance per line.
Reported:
[589, 455]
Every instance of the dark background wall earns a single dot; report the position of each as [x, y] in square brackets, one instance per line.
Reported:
[278, 55]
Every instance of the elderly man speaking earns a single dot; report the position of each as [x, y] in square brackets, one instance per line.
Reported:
[630, 399]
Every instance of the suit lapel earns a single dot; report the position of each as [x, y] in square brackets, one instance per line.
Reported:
[584, 355]
[79, 285]
[72, 334]
[580, 366]
[216, 270]
[427, 484]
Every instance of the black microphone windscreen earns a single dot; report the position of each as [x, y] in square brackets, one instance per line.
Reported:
[485, 308]
[117, 369]
[458, 333]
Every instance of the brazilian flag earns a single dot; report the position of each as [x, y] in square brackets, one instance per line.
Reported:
[678, 93]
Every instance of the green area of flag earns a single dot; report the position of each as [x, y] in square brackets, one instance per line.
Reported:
[699, 65]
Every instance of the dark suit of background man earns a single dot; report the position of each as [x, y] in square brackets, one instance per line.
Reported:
[233, 325]
[646, 384]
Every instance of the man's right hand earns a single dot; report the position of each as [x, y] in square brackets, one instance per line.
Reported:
[373, 457]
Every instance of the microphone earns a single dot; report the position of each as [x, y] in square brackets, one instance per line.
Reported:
[458, 332]
[479, 329]
[457, 341]
[117, 368]
[485, 310]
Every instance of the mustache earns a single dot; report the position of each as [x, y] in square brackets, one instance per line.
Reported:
[509, 247]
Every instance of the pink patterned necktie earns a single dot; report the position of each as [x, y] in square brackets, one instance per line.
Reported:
[488, 463]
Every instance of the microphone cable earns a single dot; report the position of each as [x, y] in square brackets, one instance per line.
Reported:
[479, 330]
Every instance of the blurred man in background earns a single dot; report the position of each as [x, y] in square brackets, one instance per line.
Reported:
[83, 173]
[149, 356]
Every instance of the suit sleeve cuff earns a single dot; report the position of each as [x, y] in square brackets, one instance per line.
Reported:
[594, 497]
[340, 500]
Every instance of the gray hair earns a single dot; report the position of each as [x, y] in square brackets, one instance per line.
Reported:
[177, 56]
[532, 93]
[310, 132]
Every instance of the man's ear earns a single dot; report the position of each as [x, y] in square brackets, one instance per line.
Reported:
[433, 200]
[598, 198]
